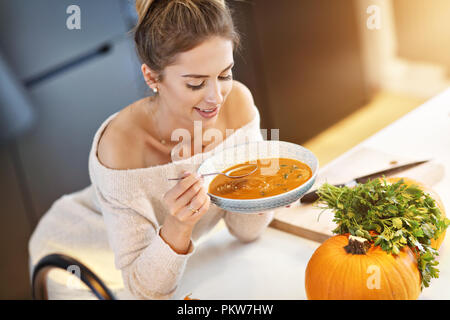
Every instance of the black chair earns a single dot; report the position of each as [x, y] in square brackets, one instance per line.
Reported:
[40, 271]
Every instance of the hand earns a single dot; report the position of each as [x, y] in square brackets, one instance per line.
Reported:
[189, 193]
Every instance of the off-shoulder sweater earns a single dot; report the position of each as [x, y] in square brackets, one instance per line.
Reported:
[120, 215]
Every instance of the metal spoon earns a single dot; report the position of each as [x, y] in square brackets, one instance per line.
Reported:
[228, 172]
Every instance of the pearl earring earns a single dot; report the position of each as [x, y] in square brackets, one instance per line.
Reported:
[155, 90]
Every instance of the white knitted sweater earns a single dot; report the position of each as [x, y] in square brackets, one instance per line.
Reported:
[113, 225]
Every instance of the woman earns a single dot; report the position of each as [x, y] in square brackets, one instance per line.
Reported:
[131, 209]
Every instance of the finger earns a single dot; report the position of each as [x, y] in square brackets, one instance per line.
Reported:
[180, 187]
[188, 182]
[203, 208]
[198, 200]
[196, 203]
[186, 197]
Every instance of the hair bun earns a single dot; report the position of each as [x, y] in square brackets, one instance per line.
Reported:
[143, 5]
[222, 2]
[142, 8]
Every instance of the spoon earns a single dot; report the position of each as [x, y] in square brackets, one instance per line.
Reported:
[227, 173]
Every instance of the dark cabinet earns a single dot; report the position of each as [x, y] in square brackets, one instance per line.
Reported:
[35, 38]
[74, 88]
[71, 108]
[15, 230]
[302, 62]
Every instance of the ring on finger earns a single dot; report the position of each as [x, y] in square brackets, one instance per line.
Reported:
[192, 209]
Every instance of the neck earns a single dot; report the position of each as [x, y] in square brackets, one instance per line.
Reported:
[165, 122]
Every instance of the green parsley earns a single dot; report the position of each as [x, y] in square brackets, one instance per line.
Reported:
[400, 215]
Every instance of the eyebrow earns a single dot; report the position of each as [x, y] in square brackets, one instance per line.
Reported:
[205, 76]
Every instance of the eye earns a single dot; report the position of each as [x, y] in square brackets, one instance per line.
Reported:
[196, 87]
[201, 85]
[225, 78]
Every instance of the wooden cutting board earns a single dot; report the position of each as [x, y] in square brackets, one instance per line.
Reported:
[303, 219]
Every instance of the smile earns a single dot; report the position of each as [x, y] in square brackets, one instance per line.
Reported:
[207, 113]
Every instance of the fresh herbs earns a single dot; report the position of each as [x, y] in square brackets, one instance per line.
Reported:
[390, 216]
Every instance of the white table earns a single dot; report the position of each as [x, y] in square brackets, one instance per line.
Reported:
[273, 266]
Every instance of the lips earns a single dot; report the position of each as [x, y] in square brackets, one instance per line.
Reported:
[207, 113]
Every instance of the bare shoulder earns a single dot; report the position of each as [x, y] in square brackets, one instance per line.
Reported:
[119, 147]
[240, 105]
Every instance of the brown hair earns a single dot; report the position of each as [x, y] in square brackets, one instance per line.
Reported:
[168, 27]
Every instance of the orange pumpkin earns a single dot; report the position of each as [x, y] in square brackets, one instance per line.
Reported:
[435, 243]
[345, 269]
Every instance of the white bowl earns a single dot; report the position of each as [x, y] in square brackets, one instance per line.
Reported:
[229, 157]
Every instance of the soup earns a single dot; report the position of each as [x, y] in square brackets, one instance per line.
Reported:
[273, 176]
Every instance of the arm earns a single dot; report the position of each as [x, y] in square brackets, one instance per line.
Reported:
[151, 269]
[247, 227]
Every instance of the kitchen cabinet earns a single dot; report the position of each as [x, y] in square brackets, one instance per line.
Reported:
[302, 62]
[35, 38]
[73, 87]
[71, 107]
[15, 230]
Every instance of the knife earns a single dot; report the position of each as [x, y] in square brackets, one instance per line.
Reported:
[313, 196]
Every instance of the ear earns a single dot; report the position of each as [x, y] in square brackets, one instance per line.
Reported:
[150, 77]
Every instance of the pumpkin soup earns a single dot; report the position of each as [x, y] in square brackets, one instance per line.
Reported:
[273, 176]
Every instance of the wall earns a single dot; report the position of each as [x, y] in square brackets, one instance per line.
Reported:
[423, 30]
[409, 52]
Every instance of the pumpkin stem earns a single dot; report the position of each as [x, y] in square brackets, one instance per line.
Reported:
[357, 245]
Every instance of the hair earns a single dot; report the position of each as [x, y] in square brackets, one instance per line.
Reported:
[168, 27]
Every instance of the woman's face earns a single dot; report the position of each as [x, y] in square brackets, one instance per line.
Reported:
[199, 79]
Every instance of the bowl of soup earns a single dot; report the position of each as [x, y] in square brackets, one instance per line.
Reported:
[285, 172]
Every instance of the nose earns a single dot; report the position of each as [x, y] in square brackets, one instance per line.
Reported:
[214, 94]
